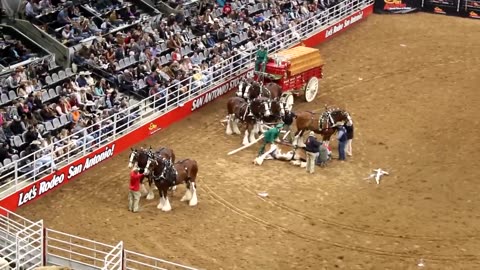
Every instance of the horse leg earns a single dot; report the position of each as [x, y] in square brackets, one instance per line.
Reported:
[166, 207]
[193, 200]
[188, 193]
[162, 199]
[245, 137]
[296, 137]
[301, 141]
[253, 130]
[229, 130]
[150, 195]
[235, 128]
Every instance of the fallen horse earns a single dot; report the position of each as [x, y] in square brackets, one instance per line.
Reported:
[284, 152]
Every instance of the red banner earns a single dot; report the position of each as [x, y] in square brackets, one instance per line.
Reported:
[69, 172]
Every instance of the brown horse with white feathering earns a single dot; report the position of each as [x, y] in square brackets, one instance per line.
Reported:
[249, 113]
[324, 123]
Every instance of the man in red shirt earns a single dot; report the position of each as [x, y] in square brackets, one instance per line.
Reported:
[136, 177]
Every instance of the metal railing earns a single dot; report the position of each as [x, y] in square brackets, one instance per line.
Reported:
[21, 240]
[114, 259]
[73, 251]
[37, 165]
[137, 261]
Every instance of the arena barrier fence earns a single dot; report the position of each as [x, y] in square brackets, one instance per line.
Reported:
[21, 241]
[26, 244]
[83, 150]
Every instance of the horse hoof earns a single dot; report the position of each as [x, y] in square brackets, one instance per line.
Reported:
[166, 209]
[150, 196]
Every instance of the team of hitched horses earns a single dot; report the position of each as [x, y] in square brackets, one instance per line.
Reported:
[253, 105]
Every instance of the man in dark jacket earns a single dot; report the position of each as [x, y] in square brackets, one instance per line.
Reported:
[312, 147]
[288, 121]
[342, 140]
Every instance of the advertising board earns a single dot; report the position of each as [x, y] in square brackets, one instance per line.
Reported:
[68, 173]
[337, 28]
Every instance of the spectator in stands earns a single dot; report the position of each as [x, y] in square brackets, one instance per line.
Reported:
[45, 4]
[4, 152]
[31, 10]
[80, 129]
[12, 81]
[114, 19]
[62, 17]
[7, 132]
[17, 126]
[42, 158]
[63, 106]
[68, 35]
[3, 136]
[31, 135]
[47, 113]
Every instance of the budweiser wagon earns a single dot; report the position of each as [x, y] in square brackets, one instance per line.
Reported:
[296, 70]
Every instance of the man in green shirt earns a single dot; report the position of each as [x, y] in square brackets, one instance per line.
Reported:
[261, 59]
[270, 136]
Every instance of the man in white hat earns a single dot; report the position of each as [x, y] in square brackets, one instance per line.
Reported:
[312, 146]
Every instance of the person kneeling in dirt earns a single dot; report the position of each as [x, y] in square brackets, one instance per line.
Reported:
[323, 156]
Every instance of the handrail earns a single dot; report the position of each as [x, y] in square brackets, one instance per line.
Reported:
[216, 74]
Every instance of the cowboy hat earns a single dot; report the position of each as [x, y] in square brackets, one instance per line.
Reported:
[87, 73]
[311, 134]
[81, 73]
[74, 108]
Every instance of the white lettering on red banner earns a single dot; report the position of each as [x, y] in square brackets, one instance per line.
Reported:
[219, 91]
[58, 179]
[342, 25]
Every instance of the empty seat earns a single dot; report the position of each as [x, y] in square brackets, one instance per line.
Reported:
[52, 93]
[55, 77]
[132, 59]
[127, 61]
[58, 90]
[17, 141]
[48, 80]
[23, 154]
[24, 136]
[64, 120]
[45, 97]
[49, 126]
[56, 123]
[62, 74]
[5, 98]
[69, 72]
[121, 63]
[12, 95]
[7, 163]
[15, 157]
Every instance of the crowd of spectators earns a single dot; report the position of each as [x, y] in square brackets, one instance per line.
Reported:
[13, 51]
[71, 23]
[192, 43]
[38, 112]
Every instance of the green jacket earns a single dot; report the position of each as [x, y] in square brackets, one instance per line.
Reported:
[262, 56]
[271, 134]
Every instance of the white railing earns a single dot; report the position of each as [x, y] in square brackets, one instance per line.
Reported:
[137, 261]
[75, 252]
[21, 240]
[114, 259]
[33, 168]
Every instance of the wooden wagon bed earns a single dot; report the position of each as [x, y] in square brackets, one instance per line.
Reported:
[296, 60]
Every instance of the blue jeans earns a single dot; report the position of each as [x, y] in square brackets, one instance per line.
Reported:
[341, 150]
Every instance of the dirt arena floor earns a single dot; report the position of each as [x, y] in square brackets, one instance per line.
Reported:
[411, 83]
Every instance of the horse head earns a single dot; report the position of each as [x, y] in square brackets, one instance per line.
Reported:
[133, 158]
[261, 107]
[151, 161]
